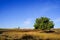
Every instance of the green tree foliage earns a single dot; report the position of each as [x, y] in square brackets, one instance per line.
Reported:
[43, 23]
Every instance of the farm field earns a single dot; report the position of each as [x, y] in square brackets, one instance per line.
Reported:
[28, 34]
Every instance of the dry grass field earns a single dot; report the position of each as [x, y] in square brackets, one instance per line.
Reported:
[28, 34]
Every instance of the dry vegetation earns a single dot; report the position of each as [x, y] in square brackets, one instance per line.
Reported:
[17, 34]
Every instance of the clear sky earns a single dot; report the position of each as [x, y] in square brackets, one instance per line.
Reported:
[22, 13]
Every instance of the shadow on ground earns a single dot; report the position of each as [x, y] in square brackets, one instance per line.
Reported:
[28, 37]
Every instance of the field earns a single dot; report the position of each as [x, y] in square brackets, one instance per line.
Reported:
[29, 34]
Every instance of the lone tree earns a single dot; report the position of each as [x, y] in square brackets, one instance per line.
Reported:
[43, 23]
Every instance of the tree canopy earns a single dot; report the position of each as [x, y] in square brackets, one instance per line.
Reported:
[43, 23]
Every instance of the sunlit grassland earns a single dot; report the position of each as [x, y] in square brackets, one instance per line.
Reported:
[37, 34]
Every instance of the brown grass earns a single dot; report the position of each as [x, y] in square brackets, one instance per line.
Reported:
[38, 34]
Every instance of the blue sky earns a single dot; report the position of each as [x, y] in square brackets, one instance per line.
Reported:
[22, 13]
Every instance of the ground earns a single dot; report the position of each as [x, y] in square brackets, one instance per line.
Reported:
[27, 34]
